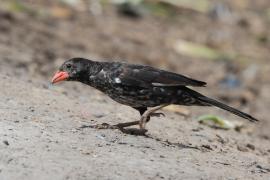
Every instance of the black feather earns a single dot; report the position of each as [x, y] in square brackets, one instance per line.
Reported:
[141, 86]
[221, 105]
[146, 76]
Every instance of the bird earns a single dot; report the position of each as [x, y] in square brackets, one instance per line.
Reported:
[144, 88]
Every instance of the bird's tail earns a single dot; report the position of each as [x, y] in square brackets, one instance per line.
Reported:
[227, 108]
[218, 104]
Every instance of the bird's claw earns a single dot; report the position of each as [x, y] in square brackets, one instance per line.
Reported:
[104, 126]
[157, 114]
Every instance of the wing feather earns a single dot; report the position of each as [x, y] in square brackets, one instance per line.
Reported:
[146, 76]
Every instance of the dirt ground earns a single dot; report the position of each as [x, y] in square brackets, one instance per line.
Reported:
[44, 133]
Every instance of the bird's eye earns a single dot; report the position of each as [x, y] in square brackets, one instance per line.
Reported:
[68, 66]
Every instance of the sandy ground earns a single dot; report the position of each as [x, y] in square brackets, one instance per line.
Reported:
[44, 131]
[43, 137]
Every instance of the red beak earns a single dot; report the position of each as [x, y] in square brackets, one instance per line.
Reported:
[59, 76]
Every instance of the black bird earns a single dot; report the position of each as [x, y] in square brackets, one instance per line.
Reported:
[139, 86]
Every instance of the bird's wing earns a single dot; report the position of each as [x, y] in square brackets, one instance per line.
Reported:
[146, 76]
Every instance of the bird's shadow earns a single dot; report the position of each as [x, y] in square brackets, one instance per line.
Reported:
[142, 132]
[134, 131]
[130, 131]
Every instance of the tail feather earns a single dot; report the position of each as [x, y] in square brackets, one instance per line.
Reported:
[225, 107]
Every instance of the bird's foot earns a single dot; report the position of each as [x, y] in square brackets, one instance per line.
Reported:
[146, 118]
[157, 114]
[143, 121]
[104, 126]
[134, 131]
[115, 126]
[121, 127]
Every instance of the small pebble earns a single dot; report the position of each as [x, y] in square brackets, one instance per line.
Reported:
[206, 146]
[101, 136]
[99, 115]
[6, 142]
[242, 148]
[251, 146]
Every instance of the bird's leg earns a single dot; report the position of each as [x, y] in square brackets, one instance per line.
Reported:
[115, 126]
[157, 114]
[127, 124]
[145, 117]
[147, 114]
[103, 126]
[142, 110]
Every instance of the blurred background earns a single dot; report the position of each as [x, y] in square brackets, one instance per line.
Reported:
[223, 42]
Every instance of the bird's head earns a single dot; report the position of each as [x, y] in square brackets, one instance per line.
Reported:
[75, 69]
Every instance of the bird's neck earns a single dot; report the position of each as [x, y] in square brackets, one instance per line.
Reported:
[92, 69]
